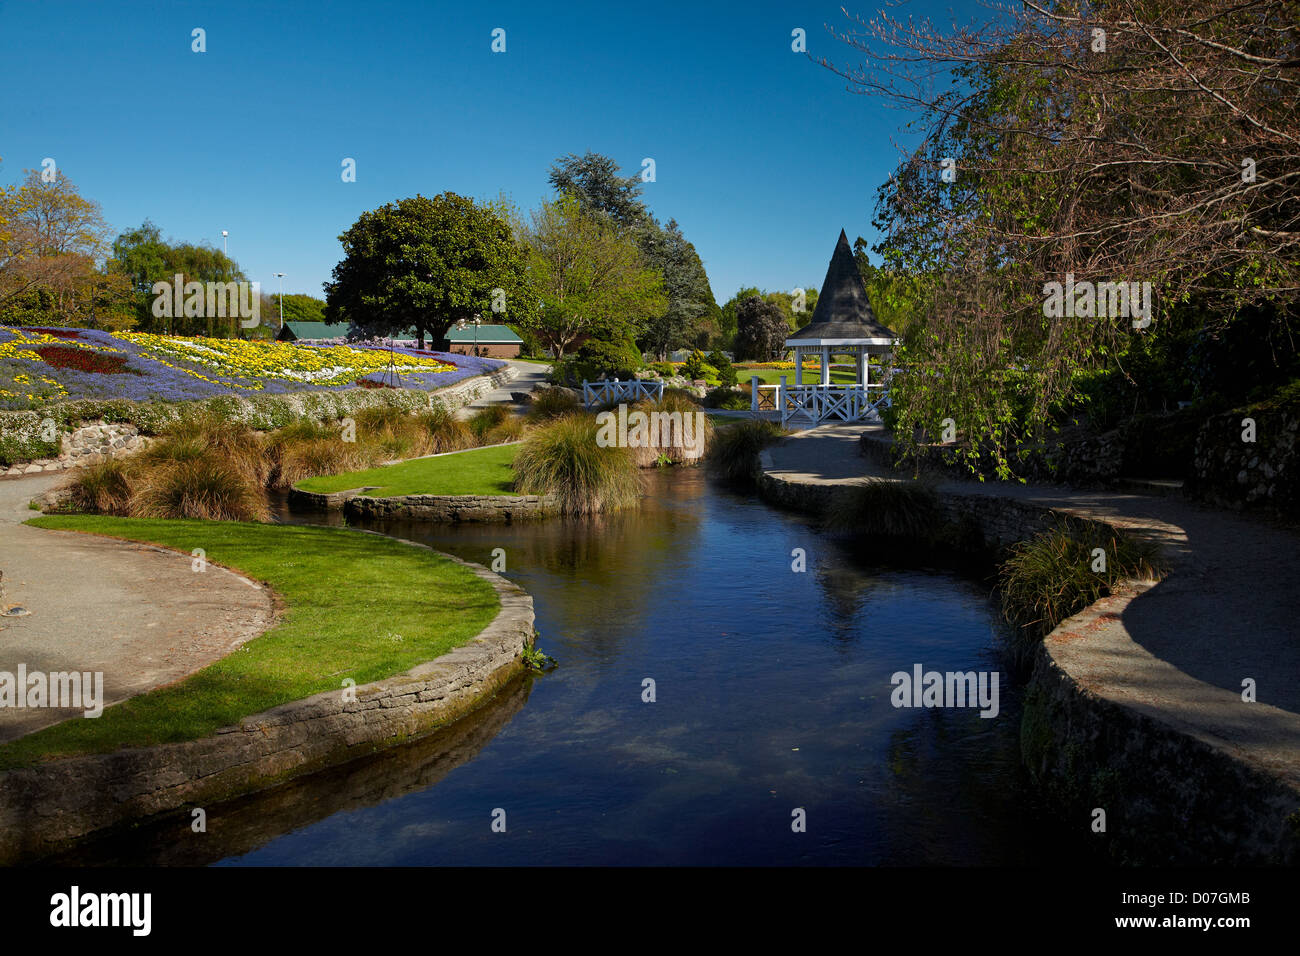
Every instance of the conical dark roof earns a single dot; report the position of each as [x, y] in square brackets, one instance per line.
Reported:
[843, 311]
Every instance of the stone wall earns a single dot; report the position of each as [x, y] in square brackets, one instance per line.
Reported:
[1092, 460]
[997, 522]
[454, 508]
[1153, 780]
[44, 807]
[442, 508]
[1230, 472]
[86, 445]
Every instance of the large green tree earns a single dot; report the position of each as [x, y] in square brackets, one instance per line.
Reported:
[690, 316]
[589, 276]
[420, 264]
[143, 257]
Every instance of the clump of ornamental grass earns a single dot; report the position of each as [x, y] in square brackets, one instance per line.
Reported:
[444, 431]
[1054, 575]
[313, 457]
[511, 429]
[733, 452]
[564, 459]
[485, 419]
[391, 433]
[197, 436]
[102, 488]
[551, 403]
[887, 507]
[670, 419]
[209, 488]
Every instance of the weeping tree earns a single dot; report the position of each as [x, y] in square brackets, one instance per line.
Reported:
[1142, 142]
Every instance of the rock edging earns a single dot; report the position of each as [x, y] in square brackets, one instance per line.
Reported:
[441, 508]
[46, 806]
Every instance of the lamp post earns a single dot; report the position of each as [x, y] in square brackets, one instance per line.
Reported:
[280, 276]
[225, 247]
[477, 320]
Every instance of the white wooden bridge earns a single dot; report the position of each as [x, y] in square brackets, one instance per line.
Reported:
[820, 403]
[611, 392]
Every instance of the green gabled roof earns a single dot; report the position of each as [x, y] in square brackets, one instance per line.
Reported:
[318, 330]
[487, 335]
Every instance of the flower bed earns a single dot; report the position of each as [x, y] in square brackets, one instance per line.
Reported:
[43, 366]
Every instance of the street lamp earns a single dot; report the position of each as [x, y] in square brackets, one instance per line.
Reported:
[281, 277]
[477, 320]
[225, 248]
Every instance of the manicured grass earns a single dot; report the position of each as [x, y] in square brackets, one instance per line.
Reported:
[480, 471]
[357, 605]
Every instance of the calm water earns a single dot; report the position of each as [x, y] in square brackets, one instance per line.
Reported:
[772, 694]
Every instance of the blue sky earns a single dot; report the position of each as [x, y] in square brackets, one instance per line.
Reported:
[761, 155]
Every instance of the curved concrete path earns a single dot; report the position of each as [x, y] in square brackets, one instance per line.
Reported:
[137, 613]
[528, 375]
[1180, 649]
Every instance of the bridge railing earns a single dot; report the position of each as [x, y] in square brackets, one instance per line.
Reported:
[762, 398]
[608, 392]
[823, 403]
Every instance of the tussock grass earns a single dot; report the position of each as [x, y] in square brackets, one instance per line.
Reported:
[103, 488]
[444, 430]
[564, 459]
[210, 434]
[204, 466]
[551, 403]
[309, 457]
[676, 449]
[733, 451]
[494, 425]
[1050, 577]
[887, 508]
[207, 488]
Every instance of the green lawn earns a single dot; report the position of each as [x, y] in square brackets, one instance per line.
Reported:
[480, 471]
[357, 605]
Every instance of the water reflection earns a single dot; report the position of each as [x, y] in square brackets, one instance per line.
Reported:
[772, 693]
[242, 825]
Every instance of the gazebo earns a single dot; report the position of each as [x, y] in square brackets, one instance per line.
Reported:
[842, 324]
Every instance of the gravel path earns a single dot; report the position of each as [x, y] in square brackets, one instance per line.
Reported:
[137, 613]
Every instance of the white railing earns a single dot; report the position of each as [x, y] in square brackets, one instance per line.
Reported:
[633, 390]
[823, 403]
[762, 398]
